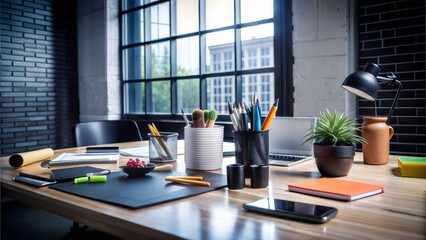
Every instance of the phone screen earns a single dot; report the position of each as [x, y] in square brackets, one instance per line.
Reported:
[294, 210]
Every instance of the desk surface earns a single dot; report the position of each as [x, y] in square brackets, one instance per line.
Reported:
[398, 213]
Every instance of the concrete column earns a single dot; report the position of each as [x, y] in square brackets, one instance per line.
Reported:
[320, 48]
[98, 60]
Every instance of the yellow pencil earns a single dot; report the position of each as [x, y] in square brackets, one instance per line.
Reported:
[271, 115]
[179, 180]
[199, 178]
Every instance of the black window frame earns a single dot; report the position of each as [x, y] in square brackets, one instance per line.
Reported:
[282, 69]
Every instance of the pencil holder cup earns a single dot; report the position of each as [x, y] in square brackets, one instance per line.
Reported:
[163, 148]
[204, 148]
[251, 148]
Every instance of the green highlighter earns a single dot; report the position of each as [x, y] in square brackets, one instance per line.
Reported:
[92, 179]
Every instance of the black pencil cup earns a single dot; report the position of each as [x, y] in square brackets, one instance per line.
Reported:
[251, 148]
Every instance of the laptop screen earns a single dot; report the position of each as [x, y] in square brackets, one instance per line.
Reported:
[286, 135]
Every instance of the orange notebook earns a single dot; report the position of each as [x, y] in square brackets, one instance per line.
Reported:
[336, 188]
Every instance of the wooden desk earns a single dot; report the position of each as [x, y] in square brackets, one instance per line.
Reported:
[399, 213]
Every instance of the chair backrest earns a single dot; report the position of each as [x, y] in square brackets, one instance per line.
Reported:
[107, 131]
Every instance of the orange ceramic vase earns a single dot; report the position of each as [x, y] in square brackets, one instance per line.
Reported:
[377, 134]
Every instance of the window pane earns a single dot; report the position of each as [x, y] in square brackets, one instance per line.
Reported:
[160, 21]
[188, 95]
[187, 56]
[186, 16]
[128, 4]
[133, 63]
[263, 86]
[134, 98]
[160, 97]
[219, 13]
[220, 91]
[253, 10]
[133, 30]
[160, 59]
[257, 46]
[220, 51]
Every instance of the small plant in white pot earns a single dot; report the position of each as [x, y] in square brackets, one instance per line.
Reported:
[334, 143]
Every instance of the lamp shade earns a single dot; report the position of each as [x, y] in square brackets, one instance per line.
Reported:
[363, 83]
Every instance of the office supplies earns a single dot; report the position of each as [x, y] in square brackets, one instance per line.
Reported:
[235, 176]
[259, 175]
[104, 172]
[270, 116]
[68, 174]
[257, 118]
[81, 180]
[114, 149]
[184, 117]
[82, 158]
[243, 115]
[292, 210]
[25, 158]
[232, 117]
[132, 192]
[412, 166]
[251, 147]
[35, 177]
[286, 136]
[211, 118]
[98, 179]
[32, 181]
[197, 178]
[189, 181]
[163, 168]
[249, 115]
[198, 118]
[162, 144]
[334, 188]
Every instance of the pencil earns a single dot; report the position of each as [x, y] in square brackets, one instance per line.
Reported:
[184, 117]
[180, 180]
[271, 115]
[231, 115]
[198, 178]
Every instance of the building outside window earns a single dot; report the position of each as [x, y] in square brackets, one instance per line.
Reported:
[177, 55]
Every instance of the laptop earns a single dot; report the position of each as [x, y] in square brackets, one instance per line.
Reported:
[286, 137]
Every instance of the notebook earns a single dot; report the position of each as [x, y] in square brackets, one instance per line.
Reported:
[286, 137]
[83, 158]
[343, 190]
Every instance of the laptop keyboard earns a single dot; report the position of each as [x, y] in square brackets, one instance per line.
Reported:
[284, 157]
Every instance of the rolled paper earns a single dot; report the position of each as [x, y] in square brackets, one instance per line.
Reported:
[163, 168]
[98, 179]
[81, 180]
[23, 159]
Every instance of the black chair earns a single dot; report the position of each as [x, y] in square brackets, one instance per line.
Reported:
[106, 131]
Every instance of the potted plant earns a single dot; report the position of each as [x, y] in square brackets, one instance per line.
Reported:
[334, 143]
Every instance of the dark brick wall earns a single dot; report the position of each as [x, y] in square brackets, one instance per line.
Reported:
[392, 34]
[38, 91]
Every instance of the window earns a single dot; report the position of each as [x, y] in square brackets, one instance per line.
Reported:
[200, 54]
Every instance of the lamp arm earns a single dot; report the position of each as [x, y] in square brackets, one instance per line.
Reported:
[392, 81]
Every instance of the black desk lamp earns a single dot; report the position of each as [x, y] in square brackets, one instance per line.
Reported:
[364, 84]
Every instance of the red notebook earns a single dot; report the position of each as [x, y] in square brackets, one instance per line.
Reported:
[336, 188]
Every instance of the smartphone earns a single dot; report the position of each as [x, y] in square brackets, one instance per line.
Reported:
[292, 210]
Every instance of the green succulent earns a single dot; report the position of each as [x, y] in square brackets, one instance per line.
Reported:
[335, 128]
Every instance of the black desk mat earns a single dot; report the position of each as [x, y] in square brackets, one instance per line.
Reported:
[139, 192]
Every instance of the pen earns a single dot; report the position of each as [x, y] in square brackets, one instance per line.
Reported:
[184, 117]
[249, 116]
[231, 115]
[105, 172]
[244, 119]
[271, 115]
[256, 117]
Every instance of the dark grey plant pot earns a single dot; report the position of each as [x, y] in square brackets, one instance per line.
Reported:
[334, 161]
